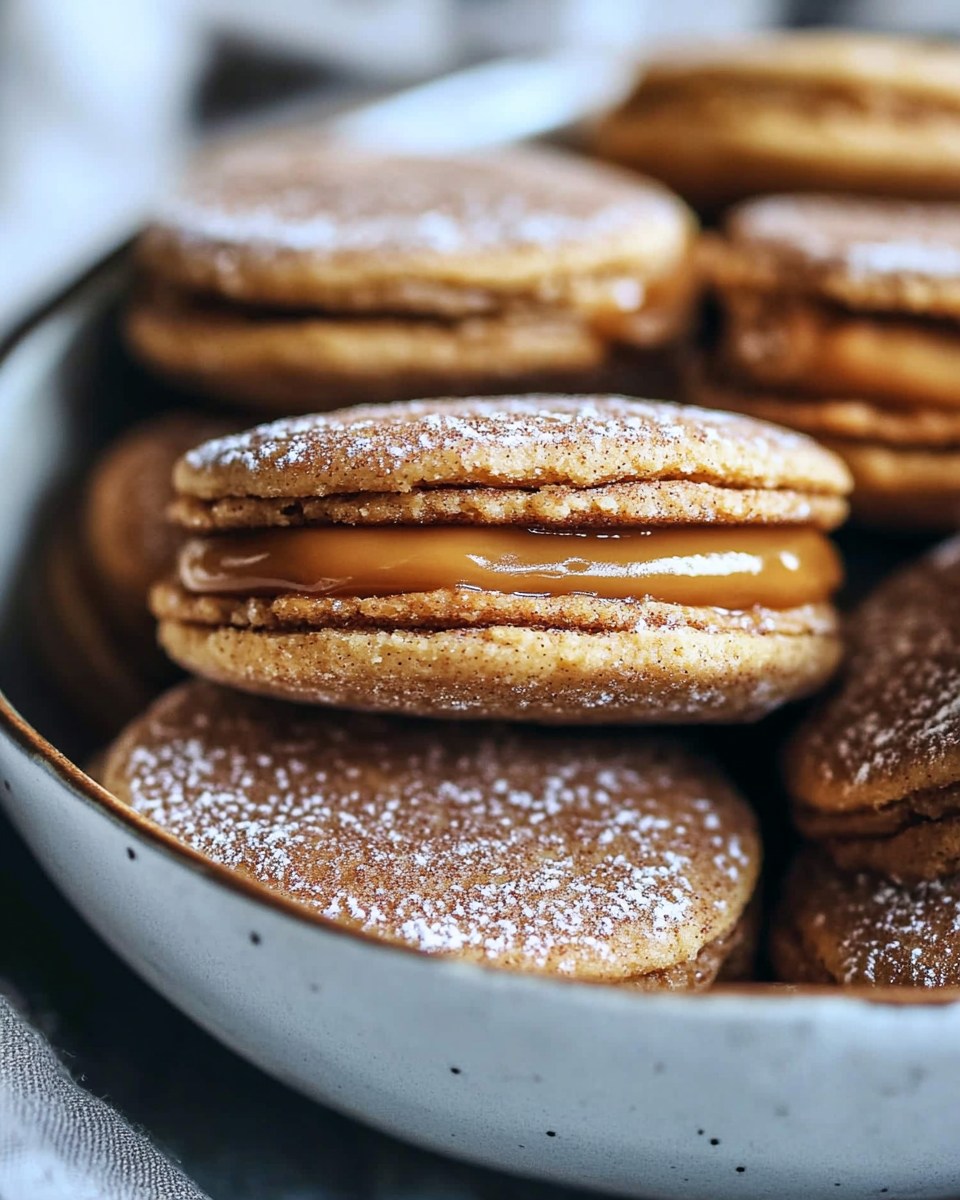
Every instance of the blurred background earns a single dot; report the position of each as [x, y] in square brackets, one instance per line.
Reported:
[100, 99]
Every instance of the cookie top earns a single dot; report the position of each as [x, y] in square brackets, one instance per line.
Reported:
[291, 220]
[858, 928]
[876, 254]
[924, 72]
[473, 449]
[601, 857]
[892, 727]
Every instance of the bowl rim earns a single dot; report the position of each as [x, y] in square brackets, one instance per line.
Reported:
[20, 733]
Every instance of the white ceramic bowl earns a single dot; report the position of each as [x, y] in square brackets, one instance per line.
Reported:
[733, 1094]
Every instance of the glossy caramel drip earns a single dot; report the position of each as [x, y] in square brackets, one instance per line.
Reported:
[726, 567]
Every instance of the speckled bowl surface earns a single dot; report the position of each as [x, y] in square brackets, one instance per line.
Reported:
[739, 1093]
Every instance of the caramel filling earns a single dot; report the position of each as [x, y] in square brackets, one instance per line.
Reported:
[731, 568]
[895, 361]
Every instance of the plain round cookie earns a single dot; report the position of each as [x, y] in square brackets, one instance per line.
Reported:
[538, 462]
[294, 222]
[602, 858]
[859, 929]
[875, 770]
[832, 111]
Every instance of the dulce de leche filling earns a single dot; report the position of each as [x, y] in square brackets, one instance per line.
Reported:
[725, 567]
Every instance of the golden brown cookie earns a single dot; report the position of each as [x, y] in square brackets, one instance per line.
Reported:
[99, 563]
[841, 318]
[875, 770]
[598, 857]
[859, 929]
[129, 545]
[291, 274]
[539, 558]
[801, 111]
[85, 653]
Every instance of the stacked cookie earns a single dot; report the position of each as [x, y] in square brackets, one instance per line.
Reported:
[841, 317]
[837, 304]
[531, 560]
[835, 110]
[875, 777]
[289, 276]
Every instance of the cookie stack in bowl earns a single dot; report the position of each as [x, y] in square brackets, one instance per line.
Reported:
[367, 589]
[875, 777]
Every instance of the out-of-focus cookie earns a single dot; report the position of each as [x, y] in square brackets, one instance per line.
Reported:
[541, 558]
[801, 111]
[291, 275]
[875, 770]
[857, 928]
[593, 857]
[97, 633]
[841, 317]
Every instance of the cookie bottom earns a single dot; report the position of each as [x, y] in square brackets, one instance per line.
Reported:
[732, 147]
[665, 675]
[306, 364]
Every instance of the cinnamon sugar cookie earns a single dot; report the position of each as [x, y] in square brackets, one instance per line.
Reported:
[99, 564]
[539, 558]
[597, 857]
[815, 110]
[857, 928]
[292, 274]
[841, 318]
[875, 770]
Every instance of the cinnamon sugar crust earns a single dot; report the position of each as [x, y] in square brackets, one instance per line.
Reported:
[875, 769]
[673, 674]
[861, 929]
[296, 222]
[613, 505]
[510, 442]
[602, 857]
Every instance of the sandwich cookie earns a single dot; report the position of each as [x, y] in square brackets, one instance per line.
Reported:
[815, 111]
[596, 857]
[99, 564]
[875, 770]
[857, 928]
[841, 317]
[292, 275]
[542, 558]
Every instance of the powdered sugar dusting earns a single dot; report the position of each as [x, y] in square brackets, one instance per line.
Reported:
[525, 441]
[890, 934]
[528, 848]
[894, 726]
[295, 194]
[867, 238]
